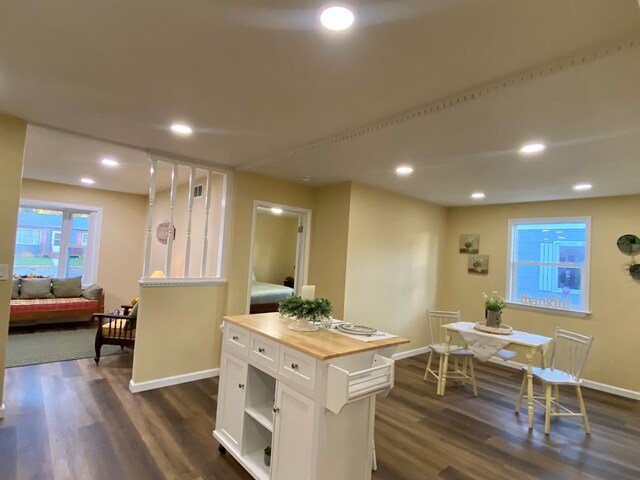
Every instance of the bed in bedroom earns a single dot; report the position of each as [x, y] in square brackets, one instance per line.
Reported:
[265, 297]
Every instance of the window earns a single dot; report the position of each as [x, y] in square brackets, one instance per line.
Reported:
[549, 263]
[28, 236]
[56, 240]
[56, 237]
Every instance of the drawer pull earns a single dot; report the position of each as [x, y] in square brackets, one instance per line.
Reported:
[234, 338]
[241, 385]
[294, 366]
[260, 350]
[276, 409]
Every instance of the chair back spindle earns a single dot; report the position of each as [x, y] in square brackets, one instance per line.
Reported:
[437, 318]
[570, 352]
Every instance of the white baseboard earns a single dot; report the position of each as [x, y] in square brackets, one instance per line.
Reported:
[621, 392]
[409, 353]
[2, 411]
[175, 380]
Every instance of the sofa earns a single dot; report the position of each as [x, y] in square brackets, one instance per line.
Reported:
[44, 300]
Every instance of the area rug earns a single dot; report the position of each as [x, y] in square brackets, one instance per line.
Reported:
[46, 347]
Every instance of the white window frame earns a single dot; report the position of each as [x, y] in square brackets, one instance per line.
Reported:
[512, 264]
[32, 232]
[91, 257]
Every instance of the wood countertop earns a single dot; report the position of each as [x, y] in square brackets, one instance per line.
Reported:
[321, 344]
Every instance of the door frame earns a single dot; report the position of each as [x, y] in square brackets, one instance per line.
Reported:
[302, 249]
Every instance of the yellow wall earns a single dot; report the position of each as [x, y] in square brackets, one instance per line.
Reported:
[121, 235]
[274, 249]
[329, 234]
[180, 216]
[177, 331]
[12, 135]
[248, 188]
[615, 318]
[393, 262]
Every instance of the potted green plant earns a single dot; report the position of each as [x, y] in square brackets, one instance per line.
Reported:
[305, 311]
[468, 243]
[493, 306]
[267, 456]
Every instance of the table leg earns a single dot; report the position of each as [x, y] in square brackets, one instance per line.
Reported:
[443, 379]
[530, 388]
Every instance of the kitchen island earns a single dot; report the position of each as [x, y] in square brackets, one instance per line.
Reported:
[309, 396]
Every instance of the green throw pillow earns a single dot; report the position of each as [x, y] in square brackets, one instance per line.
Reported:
[15, 293]
[92, 292]
[66, 287]
[31, 288]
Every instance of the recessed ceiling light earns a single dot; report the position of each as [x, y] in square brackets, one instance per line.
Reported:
[478, 195]
[181, 129]
[109, 162]
[337, 18]
[530, 148]
[87, 181]
[582, 186]
[404, 170]
[276, 211]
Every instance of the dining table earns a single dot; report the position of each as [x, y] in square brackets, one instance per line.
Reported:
[486, 344]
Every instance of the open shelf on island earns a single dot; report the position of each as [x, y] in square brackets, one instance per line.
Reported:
[263, 414]
[256, 461]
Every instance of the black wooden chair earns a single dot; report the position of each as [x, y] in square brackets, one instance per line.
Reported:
[116, 329]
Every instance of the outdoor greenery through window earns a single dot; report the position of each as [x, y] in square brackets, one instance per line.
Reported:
[55, 241]
[549, 263]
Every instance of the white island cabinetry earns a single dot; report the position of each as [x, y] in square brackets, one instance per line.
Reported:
[274, 392]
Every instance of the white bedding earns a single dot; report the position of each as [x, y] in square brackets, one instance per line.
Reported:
[269, 293]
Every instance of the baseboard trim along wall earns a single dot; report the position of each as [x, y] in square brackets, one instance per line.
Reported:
[175, 380]
[621, 392]
[602, 387]
[409, 353]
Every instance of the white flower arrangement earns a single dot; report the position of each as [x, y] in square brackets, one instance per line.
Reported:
[494, 302]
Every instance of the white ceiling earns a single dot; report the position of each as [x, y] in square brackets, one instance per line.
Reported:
[260, 82]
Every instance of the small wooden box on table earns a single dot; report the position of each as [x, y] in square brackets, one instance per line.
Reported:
[310, 396]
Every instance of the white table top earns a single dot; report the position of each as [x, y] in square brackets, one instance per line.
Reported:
[517, 337]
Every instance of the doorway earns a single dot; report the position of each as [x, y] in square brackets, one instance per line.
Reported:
[279, 255]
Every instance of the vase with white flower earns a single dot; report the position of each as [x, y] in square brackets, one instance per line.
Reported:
[493, 305]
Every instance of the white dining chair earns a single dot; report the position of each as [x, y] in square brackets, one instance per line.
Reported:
[569, 355]
[462, 357]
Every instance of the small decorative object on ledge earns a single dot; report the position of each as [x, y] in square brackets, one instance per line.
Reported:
[493, 306]
[288, 282]
[629, 244]
[305, 312]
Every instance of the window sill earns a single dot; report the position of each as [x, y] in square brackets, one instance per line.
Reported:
[549, 310]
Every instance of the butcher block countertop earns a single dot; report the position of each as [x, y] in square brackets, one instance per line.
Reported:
[321, 344]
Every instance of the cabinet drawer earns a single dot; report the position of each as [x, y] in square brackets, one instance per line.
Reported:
[264, 352]
[236, 340]
[298, 367]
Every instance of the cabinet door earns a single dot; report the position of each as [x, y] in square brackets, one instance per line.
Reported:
[231, 399]
[292, 450]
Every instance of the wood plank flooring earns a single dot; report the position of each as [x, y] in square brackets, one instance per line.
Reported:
[73, 420]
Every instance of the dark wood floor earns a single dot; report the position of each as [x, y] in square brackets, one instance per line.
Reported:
[71, 420]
